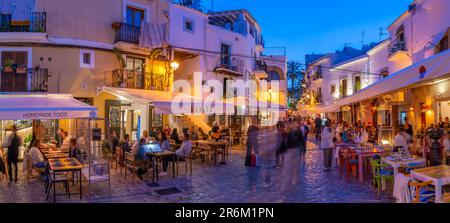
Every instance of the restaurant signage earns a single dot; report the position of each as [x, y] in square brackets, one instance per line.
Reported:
[44, 115]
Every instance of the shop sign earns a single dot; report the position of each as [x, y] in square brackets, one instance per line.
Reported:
[45, 115]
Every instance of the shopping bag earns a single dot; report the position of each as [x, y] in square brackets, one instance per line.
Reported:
[253, 159]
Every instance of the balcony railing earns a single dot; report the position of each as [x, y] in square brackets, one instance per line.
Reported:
[397, 45]
[36, 23]
[123, 78]
[127, 33]
[24, 80]
[317, 75]
[260, 41]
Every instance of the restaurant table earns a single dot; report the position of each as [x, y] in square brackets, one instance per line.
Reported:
[364, 153]
[214, 145]
[66, 165]
[396, 162]
[155, 156]
[438, 175]
[338, 147]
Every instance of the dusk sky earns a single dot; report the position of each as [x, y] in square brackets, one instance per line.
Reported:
[319, 26]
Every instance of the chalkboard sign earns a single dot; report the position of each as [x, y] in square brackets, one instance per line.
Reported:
[96, 134]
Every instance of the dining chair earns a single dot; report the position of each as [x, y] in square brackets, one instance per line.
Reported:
[133, 165]
[187, 161]
[423, 191]
[59, 178]
[381, 172]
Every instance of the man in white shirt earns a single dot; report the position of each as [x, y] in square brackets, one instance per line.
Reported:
[400, 140]
[361, 136]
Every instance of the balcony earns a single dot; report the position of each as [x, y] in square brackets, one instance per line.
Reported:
[260, 41]
[126, 33]
[24, 79]
[317, 76]
[35, 24]
[398, 50]
[235, 68]
[260, 69]
[123, 78]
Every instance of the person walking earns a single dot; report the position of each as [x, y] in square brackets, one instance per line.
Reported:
[252, 144]
[13, 142]
[292, 156]
[280, 139]
[305, 131]
[327, 145]
[318, 126]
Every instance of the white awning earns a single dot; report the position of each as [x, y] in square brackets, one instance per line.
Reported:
[320, 109]
[437, 68]
[161, 100]
[22, 106]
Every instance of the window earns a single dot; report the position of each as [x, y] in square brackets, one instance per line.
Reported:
[384, 72]
[343, 89]
[87, 59]
[403, 117]
[357, 86]
[135, 64]
[333, 89]
[273, 76]
[188, 25]
[225, 51]
[135, 16]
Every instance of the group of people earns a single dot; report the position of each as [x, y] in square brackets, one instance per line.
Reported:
[139, 151]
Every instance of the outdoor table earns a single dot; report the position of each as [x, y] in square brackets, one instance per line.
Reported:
[66, 165]
[338, 147]
[438, 175]
[214, 145]
[154, 156]
[55, 155]
[396, 162]
[364, 153]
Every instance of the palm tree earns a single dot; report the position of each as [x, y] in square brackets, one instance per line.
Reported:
[295, 75]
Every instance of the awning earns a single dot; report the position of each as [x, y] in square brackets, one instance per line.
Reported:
[320, 109]
[241, 100]
[161, 100]
[433, 69]
[22, 106]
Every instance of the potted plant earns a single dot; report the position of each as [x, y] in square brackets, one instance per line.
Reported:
[106, 149]
[8, 65]
[21, 69]
[116, 25]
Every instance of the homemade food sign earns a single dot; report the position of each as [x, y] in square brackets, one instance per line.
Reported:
[43, 115]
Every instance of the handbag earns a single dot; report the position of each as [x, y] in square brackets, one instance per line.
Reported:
[253, 159]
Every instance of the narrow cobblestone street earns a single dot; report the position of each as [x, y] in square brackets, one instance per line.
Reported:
[231, 183]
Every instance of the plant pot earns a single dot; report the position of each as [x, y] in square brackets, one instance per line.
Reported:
[116, 25]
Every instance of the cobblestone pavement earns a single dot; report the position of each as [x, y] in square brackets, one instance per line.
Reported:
[231, 183]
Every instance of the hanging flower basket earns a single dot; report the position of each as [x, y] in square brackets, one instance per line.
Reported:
[7, 69]
[21, 70]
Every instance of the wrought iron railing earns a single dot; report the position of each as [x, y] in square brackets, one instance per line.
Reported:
[397, 45]
[127, 33]
[36, 23]
[134, 79]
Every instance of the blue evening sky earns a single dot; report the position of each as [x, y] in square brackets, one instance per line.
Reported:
[319, 26]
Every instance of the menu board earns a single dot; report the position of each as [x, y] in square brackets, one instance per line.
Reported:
[96, 134]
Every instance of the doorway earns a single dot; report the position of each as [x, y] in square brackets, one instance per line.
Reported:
[12, 78]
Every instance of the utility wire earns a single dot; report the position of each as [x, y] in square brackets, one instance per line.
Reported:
[268, 58]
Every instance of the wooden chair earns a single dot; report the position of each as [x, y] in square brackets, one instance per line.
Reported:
[32, 167]
[187, 161]
[418, 187]
[380, 173]
[133, 165]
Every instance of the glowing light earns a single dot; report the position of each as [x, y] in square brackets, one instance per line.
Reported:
[174, 65]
